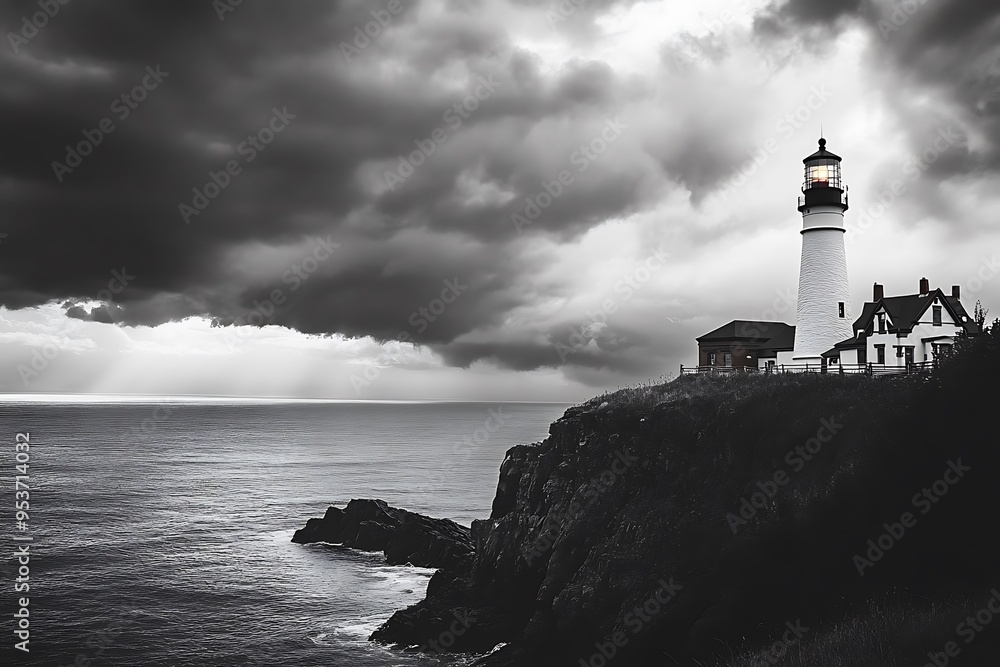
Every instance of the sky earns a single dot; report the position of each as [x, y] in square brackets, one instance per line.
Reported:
[465, 199]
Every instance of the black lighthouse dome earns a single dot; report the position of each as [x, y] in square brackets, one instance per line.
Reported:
[823, 183]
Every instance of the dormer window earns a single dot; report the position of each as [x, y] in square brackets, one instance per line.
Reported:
[937, 316]
[881, 323]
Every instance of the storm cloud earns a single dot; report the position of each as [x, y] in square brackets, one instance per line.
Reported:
[263, 163]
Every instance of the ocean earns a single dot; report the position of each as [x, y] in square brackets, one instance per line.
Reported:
[160, 531]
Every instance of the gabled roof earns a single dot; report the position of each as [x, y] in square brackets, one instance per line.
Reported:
[905, 311]
[867, 315]
[757, 335]
[971, 326]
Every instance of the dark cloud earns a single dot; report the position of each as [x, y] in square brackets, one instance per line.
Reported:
[221, 81]
[949, 50]
[323, 176]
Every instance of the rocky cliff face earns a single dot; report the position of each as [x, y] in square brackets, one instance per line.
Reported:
[733, 520]
[711, 517]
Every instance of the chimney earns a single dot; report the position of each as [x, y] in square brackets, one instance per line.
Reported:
[956, 291]
[878, 292]
[925, 286]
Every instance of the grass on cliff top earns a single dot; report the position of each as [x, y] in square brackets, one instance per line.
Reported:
[645, 396]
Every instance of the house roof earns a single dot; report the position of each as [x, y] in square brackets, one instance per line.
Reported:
[851, 343]
[867, 315]
[905, 311]
[754, 334]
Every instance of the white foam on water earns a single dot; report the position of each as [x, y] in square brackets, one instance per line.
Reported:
[278, 535]
[403, 577]
[360, 629]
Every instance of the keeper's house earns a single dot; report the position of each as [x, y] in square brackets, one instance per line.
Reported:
[901, 330]
[892, 332]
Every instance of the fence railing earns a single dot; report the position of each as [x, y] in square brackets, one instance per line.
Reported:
[871, 370]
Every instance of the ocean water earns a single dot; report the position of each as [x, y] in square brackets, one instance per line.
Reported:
[161, 531]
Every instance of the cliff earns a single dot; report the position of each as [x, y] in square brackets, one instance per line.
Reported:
[797, 520]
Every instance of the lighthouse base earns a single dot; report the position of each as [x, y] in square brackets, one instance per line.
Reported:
[807, 363]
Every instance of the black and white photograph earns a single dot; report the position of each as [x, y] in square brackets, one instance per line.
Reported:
[500, 333]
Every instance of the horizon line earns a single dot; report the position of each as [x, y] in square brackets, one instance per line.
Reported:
[221, 398]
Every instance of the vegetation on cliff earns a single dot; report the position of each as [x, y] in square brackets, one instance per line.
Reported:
[741, 520]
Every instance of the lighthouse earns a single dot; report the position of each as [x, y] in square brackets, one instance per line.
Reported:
[823, 309]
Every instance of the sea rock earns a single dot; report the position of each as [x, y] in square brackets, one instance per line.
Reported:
[404, 537]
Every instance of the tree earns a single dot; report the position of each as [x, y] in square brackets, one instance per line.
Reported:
[979, 314]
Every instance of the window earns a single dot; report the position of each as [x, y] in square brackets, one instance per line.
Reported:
[823, 173]
[881, 322]
[729, 359]
[711, 359]
[880, 354]
[862, 356]
[841, 307]
[937, 316]
[899, 351]
[909, 354]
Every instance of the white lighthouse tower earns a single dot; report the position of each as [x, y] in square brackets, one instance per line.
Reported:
[823, 310]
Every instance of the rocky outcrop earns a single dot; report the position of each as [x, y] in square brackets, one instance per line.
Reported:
[404, 537]
[689, 522]
[711, 519]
